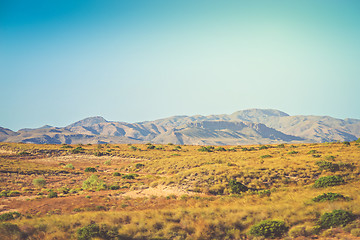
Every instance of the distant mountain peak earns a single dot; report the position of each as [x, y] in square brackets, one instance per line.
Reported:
[262, 112]
[251, 126]
[86, 122]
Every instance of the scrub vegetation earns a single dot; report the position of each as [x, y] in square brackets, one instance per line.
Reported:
[149, 191]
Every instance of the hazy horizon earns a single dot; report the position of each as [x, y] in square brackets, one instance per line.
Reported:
[133, 61]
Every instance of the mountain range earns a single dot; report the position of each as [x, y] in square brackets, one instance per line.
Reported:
[252, 126]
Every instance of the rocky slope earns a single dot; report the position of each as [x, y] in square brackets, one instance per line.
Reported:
[253, 126]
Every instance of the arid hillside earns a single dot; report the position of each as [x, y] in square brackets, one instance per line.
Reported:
[253, 126]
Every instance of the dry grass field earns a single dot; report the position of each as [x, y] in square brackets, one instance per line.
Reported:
[179, 192]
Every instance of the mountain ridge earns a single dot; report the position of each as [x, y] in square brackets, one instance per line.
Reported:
[250, 126]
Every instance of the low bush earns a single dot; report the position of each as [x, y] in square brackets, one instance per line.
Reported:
[328, 166]
[266, 156]
[206, 149]
[133, 148]
[66, 146]
[94, 183]
[39, 182]
[220, 149]
[335, 218]
[312, 152]
[9, 216]
[95, 231]
[139, 165]
[263, 147]
[116, 174]
[330, 158]
[150, 146]
[232, 149]
[293, 152]
[70, 166]
[130, 176]
[90, 169]
[269, 229]
[99, 154]
[237, 187]
[330, 197]
[77, 150]
[52, 194]
[23, 153]
[328, 181]
[114, 187]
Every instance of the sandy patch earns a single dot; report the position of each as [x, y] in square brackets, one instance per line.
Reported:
[159, 191]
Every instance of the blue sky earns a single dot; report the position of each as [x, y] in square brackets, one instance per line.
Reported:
[138, 60]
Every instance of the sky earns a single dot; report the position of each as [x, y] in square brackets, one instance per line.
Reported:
[138, 60]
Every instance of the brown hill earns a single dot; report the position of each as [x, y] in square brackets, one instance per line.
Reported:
[253, 126]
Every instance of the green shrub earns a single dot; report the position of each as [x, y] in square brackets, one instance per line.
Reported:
[139, 165]
[220, 149]
[269, 229]
[281, 146]
[95, 231]
[9, 216]
[70, 166]
[4, 193]
[114, 187]
[312, 152]
[335, 218]
[358, 141]
[264, 193]
[94, 183]
[266, 156]
[316, 155]
[99, 154]
[90, 169]
[327, 166]
[263, 147]
[130, 176]
[206, 149]
[77, 150]
[293, 152]
[133, 148]
[346, 166]
[150, 146]
[237, 187]
[66, 146]
[346, 143]
[108, 162]
[23, 153]
[232, 149]
[39, 182]
[116, 174]
[52, 194]
[330, 157]
[330, 197]
[13, 193]
[328, 181]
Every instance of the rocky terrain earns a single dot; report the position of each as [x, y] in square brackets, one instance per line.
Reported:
[253, 126]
